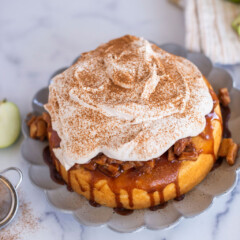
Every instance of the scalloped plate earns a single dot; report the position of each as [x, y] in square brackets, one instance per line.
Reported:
[195, 202]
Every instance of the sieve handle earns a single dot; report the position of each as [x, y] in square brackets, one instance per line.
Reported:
[16, 170]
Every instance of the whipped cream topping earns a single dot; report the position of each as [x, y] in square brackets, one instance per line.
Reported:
[128, 99]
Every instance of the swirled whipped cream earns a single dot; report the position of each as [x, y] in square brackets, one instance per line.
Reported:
[128, 99]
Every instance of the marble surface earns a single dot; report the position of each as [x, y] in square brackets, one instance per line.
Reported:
[39, 37]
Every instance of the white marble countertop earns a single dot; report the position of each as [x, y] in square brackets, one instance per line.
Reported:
[39, 37]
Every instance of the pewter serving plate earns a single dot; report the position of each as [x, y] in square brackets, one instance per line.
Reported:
[217, 183]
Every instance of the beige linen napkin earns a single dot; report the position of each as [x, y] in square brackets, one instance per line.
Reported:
[208, 29]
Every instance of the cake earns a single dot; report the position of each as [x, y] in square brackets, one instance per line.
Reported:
[132, 126]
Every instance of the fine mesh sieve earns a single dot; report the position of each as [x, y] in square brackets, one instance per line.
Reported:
[8, 197]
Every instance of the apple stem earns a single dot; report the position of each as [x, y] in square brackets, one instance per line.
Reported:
[3, 101]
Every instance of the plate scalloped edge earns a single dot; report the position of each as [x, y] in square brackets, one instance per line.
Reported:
[195, 202]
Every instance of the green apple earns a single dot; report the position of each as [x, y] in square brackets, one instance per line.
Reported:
[10, 123]
[236, 25]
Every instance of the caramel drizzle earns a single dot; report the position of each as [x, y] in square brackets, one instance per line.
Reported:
[135, 178]
[69, 183]
[54, 173]
[152, 200]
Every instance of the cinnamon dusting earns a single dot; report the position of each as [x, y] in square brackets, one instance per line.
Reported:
[128, 99]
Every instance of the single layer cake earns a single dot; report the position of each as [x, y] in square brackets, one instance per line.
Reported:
[132, 126]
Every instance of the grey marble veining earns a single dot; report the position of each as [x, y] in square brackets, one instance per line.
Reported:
[39, 37]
